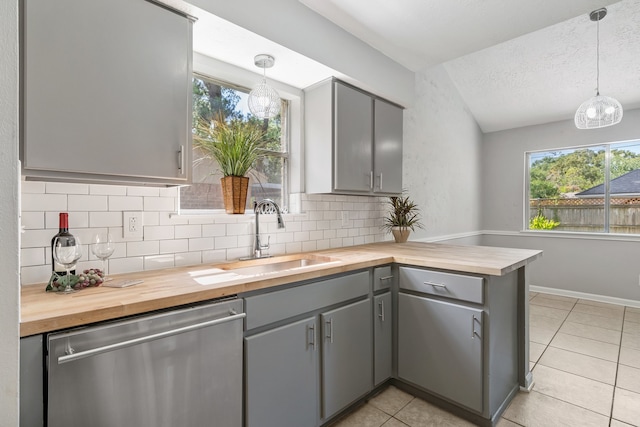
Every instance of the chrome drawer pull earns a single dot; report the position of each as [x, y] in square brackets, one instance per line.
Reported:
[435, 285]
[94, 351]
[330, 323]
[386, 278]
[381, 315]
[474, 333]
[312, 329]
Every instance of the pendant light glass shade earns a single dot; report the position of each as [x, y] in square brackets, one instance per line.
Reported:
[599, 111]
[264, 101]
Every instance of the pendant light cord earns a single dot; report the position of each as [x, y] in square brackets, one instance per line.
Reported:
[598, 57]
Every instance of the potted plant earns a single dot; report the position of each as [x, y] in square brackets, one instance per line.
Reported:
[402, 218]
[235, 145]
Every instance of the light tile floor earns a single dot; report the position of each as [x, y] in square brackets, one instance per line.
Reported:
[585, 358]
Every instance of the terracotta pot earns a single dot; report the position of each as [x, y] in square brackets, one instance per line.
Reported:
[234, 192]
[401, 234]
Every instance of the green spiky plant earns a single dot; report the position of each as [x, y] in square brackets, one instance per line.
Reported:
[234, 144]
[403, 213]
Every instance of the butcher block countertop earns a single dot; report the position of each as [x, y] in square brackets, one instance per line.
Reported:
[46, 311]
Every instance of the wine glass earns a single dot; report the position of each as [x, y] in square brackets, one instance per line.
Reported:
[67, 251]
[103, 247]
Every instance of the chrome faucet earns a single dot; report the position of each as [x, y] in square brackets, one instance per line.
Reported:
[257, 208]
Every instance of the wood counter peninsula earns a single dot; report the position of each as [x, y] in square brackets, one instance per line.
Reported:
[491, 282]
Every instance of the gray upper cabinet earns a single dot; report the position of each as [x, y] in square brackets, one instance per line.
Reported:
[353, 141]
[106, 93]
[347, 361]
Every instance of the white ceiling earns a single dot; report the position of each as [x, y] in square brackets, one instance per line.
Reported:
[515, 63]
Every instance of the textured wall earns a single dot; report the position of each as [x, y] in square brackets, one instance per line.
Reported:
[176, 240]
[441, 157]
[9, 255]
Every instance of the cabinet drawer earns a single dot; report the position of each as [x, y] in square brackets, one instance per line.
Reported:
[382, 278]
[279, 305]
[457, 286]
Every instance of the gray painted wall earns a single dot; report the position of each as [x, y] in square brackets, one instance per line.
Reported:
[441, 157]
[9, 200]
[592, 264]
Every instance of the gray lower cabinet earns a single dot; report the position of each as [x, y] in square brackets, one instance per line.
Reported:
[282, 367]
[31, 382]
[346, 356]
[382, 338]
[440, 348]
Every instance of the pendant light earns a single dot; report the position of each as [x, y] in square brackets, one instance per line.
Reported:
[599, 111]
[264, 101]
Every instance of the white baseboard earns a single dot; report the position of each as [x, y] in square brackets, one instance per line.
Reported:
[584, 295]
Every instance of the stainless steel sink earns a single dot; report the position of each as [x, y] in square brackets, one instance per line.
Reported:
[265, 266]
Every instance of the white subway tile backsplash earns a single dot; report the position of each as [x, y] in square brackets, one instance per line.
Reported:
[125, 203]
[171, 239]
[143, 191]
[108, 190]
[35, 187]
[174, 246]
[32, 256]
[215, 230]
[203, 244]
[225, 242]
[143, 248]
[66, 188]
[105, 219]
[158, 232]
[215, 256]
[35, 274]
[87, 203]
[188, 258]
[32, 220]
[160, 204]
[151, 218]
[126, 265]
[44, 202]
[188, 231]
[157, 262]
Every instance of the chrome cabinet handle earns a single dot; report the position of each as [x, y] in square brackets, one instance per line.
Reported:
[474, 333]
[386, 278]
[140, 340]
[380, 180]
[435, 285]
[312, 329]
[381, 315]
[330, 323]
[371, 180]
[181, 159]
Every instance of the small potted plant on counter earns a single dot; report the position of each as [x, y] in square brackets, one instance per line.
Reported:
[235, 145]
[402, 218]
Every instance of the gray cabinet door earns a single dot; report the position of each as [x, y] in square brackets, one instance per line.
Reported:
[387, 155]
[382, 337]
[353, 127]
[107, 91]
[440, 348]
[31, 382]
[282, 376]
[347, 356]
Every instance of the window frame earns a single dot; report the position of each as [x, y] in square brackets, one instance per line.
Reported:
[285, 155]
[608, 147]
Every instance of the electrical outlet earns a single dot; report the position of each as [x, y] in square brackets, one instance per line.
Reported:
[132, 224]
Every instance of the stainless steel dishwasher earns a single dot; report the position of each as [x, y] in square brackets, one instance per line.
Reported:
[176, 368]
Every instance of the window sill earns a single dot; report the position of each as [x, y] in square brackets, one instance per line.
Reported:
[580, 235]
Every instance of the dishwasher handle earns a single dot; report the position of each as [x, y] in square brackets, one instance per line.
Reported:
[71, 356]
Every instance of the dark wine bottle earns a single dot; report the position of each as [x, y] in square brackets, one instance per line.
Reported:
[66, 239]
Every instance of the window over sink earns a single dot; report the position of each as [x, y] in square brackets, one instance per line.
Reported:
[269, 179]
